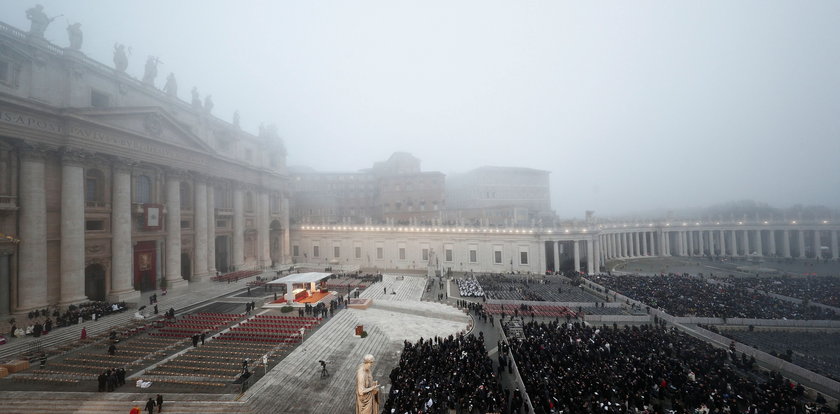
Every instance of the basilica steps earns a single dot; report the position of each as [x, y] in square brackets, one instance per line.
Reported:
[24, 402]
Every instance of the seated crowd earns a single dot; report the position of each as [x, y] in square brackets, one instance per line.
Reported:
[577, 368]
[469, 288]
[444, 374]
[684, 295]
[821, 289]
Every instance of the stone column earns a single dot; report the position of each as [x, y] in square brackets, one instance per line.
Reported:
[32, 224]
[72, 229]
[5, 280]
[201, 223]
[643, 239]
[577, 256]
[759, 246]
[590, 256]
[800, 239]
[701, 244]
[817, 245]
[556, 246]
[733, 245]
[238, 256]
[690, 236]
[745, 242]
[543, 265]
[263, 231]
[611, 246]
[623, 240]
[122, 287]
[211, 230]
[722, 240]
[173, 232]
[834, 249]
[598, 256]
[635, 252]
[771, 242]
[786, 243]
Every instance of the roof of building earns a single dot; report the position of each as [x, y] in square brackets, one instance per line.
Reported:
[301, 278]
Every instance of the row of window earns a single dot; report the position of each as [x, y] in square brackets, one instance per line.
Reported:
[143, 190]
[424, 254]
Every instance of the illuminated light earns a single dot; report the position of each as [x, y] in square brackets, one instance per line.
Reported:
[793, 222]
[650, 225]
[696, 224]
[567, 230]
[740, 222]
[685, 224]
[718, 223]
[667, 224]
[825, 221]
[765, 222]
[549, 232]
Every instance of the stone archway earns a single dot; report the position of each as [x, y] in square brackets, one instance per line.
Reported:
[95, 282]
[275, 237]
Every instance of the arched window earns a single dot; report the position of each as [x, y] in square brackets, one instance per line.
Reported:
[142, 189]
[249, 202]
[186, 196]
[94, 186]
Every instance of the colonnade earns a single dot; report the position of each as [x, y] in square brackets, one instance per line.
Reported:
[30, 286]
[801, 242]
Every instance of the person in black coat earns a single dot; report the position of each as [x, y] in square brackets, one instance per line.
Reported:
[150, 406]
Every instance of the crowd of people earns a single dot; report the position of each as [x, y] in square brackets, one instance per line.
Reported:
[821, 289]
[469, 288]
[578, 368]
[41, 322]
[443, 374]
[685, 295]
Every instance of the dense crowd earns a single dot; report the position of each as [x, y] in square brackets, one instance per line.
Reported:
[574, 368]
[43, 321]
[684, 295]
[442, 374]
[469, 288]
[821, 289]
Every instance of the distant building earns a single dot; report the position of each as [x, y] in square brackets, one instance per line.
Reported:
[392, 191]
[499, 196]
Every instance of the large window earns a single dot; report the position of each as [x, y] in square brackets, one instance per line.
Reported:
[358, 252]
[143, 189]
[380, 253]
[316, 252]
[336, 251]
[448, 255]
[473, 256]
[425, 254]
[249, 202]
[497, 257]
[402, 253]
[295, 250]
[523, 258]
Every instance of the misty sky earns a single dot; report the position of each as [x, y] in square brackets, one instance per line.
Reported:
[631, 105]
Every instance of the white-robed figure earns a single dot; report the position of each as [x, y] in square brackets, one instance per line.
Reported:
[367, 390]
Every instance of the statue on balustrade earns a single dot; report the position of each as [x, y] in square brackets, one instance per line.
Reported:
[74, 32]
[39, 20]
[367, 390]
[150, 72]
[120, 57]
[196, 99]
[171, 86]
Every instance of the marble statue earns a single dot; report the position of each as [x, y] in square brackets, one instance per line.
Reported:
[74, 32]
[208, 103]
[367, 390]
[171, 86]
[39, 20]
[196, 99]
[150, 72]
[120, 57]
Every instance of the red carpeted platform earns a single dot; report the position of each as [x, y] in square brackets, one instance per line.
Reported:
[313, 298]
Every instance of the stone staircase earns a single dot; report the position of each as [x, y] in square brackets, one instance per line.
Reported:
[293, 386]
[27, 402]
[410, 288]
[198, 293]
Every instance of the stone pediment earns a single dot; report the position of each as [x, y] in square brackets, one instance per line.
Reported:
[151, 123]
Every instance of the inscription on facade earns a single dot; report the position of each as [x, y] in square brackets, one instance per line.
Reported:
[27, 121]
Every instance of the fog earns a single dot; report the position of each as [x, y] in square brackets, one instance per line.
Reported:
[632, 106]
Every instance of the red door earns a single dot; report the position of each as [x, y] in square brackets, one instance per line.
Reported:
[145, 265]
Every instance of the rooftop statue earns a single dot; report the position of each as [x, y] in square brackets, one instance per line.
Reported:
[120, 58]
[196, 99]
[208, 103]
[39, 20]
[150, 73]
[74, 32]
[171, 87]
